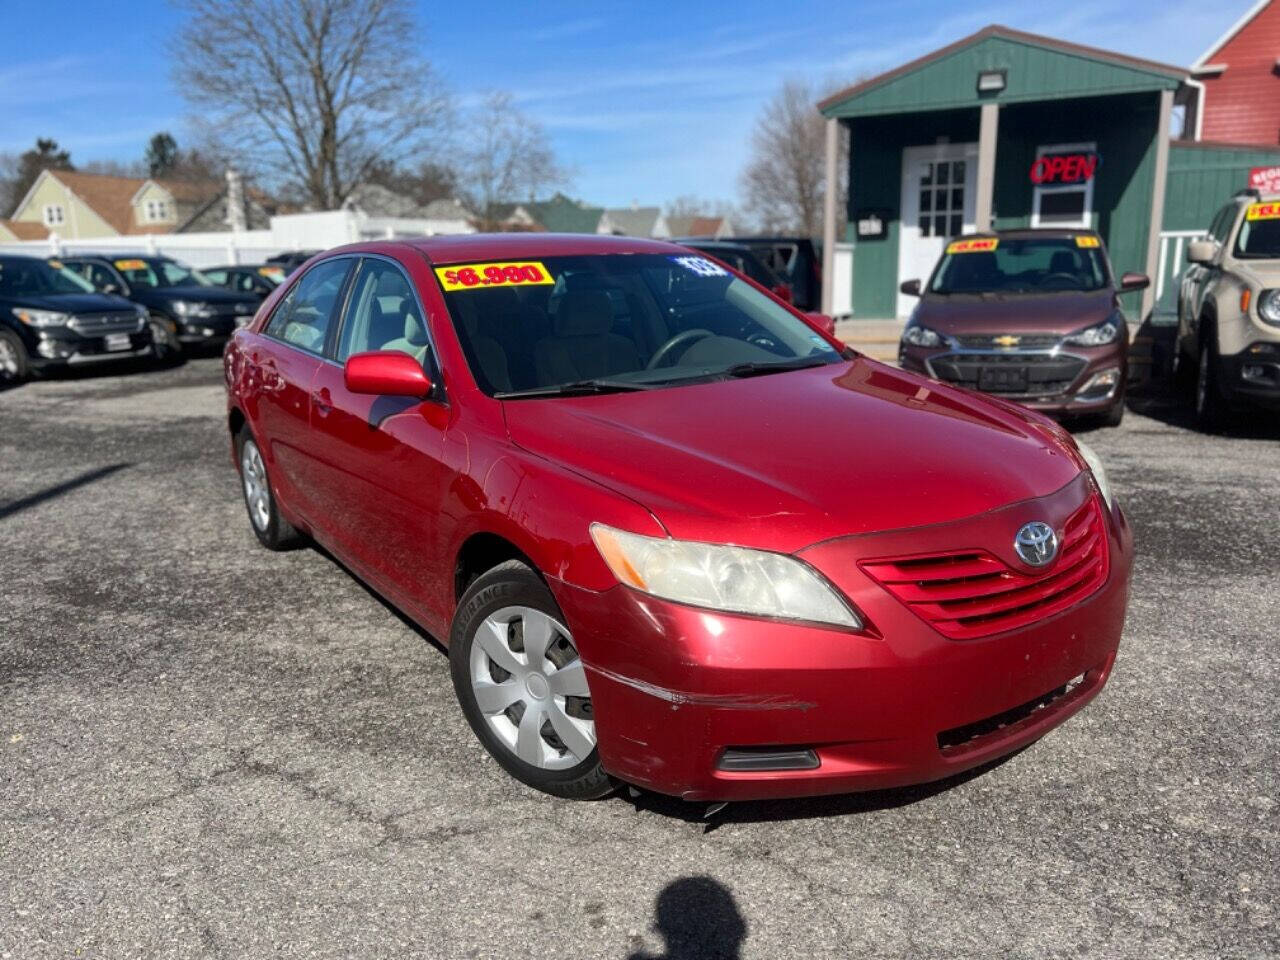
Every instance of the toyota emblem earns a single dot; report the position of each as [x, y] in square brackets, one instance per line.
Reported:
[1036, 544]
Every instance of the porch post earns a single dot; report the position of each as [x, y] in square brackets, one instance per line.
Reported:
[989, 120]
[1159, 180]
[830, 199]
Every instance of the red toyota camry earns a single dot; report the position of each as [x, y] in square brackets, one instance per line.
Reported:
[675, 534]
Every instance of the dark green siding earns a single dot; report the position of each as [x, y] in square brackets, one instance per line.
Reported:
[875, 182]
[1202, 177]
[1035, 73]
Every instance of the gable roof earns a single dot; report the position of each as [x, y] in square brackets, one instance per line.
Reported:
[25, 229]
[112, 197]
[562, 214]
[695, 226]
[1227, 37]
[634, 221]
[903, 88]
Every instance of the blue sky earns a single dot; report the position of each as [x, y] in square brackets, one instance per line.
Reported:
[643, 100]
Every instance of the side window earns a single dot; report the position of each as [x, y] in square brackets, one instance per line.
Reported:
[304, 315]
[1222, 223]
[100, 276]
[383, 314]
[217, 276]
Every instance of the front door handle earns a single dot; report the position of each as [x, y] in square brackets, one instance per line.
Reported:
[322, 402]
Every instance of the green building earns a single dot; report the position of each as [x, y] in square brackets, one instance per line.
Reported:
[1005, 129]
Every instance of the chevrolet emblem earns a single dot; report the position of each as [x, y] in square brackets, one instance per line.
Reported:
[1008, 340]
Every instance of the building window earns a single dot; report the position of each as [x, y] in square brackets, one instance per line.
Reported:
[1059, 202]
[155, 211]
[53, 214]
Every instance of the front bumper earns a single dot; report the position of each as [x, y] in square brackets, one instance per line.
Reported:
[674, 687]
[1253, 375]
[62, 347]
[1056, 381]
[211, 330]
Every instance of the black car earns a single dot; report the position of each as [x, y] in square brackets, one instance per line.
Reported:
[183, 307]
[291, 260]
[744, 260]
[795, 260]
[50, 316]
[257, 280]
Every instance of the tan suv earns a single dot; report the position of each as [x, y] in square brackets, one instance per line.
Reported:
[1229, 311]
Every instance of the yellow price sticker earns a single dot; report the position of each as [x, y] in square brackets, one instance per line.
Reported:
[976, 245]
[480, 276]
[131, 264]
[56, 264]
[1088, 243]
[1263, 211]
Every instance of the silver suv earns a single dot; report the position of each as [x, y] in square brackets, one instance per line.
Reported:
[1229, 311]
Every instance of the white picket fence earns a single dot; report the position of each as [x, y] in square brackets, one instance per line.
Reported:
[1168, 278]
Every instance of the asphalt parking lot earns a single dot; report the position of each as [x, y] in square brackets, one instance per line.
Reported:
[210, 750]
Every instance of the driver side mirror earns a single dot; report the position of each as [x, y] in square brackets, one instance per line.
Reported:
[910, 287]
[823, 322]
[1202, 251]
[386, 373]
[1134, 281]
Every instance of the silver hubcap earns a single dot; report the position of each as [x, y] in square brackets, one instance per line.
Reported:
[8, 359]
[256, 493]
[529, 683]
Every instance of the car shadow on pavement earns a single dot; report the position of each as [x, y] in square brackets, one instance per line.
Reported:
[698, 919]
[58, 489]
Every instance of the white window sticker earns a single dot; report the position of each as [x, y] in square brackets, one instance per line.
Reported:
[701, 266]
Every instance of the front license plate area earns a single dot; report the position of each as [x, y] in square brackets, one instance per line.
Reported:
[116, 341]
[1003, 379]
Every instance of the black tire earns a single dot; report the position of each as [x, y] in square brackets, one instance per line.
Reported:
[272, 530]
[1210, 404]
[1115, 416]
[15, 365]
[166, 348]
[514, 584]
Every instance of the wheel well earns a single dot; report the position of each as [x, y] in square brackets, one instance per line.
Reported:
[1207, 328]
[235, 421]
[481, 552]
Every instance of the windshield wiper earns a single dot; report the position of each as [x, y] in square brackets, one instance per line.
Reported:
[576, 388]
[755, 369]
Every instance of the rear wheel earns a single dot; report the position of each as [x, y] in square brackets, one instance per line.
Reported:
[522, 685]
[15, 366]
[272, 530]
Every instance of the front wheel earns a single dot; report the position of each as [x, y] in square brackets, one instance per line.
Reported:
[165, 346]
[15, 366]
[1211, 405]
[522, 685]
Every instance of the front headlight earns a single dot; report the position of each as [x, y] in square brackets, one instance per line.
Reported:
[42, 318]
[1099, 335]
[919, 336]
[732, 579]
[1099, 472]
[1269, 305]
[192, 308]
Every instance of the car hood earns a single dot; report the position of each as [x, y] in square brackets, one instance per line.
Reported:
[198, 293]
[1059, 313]
[786, 460]
[1265, 273]
[70, 302]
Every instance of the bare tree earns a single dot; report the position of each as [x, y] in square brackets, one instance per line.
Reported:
[784, 182]
[508, 158]
[315, 92]
[691, 205]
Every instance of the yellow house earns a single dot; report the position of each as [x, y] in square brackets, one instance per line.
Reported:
[79, 206]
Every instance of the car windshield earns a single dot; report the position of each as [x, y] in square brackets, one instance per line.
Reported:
[1259, 236]
[998, 265]
[619, 321]
[29, 277]
[160, 273]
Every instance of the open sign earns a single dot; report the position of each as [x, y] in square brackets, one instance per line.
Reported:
[1064, 168]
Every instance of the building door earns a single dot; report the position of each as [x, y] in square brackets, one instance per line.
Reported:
[938, 185]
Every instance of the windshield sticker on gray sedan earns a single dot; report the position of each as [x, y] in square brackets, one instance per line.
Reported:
[701, 266]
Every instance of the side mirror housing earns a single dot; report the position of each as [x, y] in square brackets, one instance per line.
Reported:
[110, 288]
[1201, 251]
[386, 373]
[910, 287]
[1134, 281]
[823, 322]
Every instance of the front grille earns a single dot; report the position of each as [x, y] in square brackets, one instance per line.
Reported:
[973, 594]
[1044, 374]
[987, 341]
[972, 736]
[97, 324]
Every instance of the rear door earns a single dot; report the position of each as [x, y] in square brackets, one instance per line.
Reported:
[379, 460]
[283, 362]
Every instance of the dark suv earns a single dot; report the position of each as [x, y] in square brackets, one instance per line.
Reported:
[184, 308]
[50, 317]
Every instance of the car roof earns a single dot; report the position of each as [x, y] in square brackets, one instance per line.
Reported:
[460, 248]
[1031, 232]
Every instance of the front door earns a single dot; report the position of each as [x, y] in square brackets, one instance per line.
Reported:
[938, 184]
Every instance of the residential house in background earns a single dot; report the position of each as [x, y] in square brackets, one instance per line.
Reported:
[1240, 77]
[635, 221]
[80, 206]
[715, 228]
